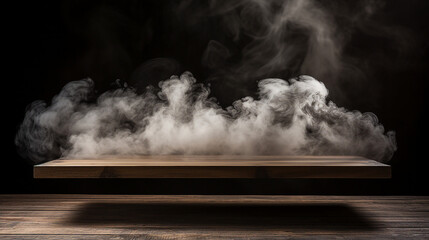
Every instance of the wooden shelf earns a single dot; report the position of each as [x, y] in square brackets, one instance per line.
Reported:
[214, 166]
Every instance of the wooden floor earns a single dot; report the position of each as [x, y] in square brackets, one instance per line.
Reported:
[213, 217]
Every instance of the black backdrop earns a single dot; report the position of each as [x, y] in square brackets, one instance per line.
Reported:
[50, 44]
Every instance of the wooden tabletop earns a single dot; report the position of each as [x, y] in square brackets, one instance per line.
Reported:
[214, 166]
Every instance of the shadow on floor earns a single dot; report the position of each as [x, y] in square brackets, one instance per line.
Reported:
[231, 216]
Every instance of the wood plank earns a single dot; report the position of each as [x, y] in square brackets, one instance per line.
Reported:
[167, 236]
[214, 166]
[229, 235]
[118, 215]
[213, 217]
[202, 236]
[269, 198]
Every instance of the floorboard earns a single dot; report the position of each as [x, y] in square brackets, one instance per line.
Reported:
[213, 217]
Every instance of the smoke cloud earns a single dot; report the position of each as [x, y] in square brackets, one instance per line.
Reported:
[288, 118]
[272, 38]
[239, 42]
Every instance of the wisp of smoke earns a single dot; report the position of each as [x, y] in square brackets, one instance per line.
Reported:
[281, 38]
[288, 118]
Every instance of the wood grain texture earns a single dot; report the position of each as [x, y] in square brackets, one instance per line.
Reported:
[214, 166]
[213, 217]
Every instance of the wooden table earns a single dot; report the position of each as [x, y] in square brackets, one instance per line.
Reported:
[214, 166]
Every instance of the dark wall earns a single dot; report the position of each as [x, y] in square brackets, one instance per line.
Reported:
[48, 45]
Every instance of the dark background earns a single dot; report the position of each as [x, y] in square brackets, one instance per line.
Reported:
[50, 44]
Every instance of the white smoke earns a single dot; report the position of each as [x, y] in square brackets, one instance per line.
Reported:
[282, 38]
[289, 118]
